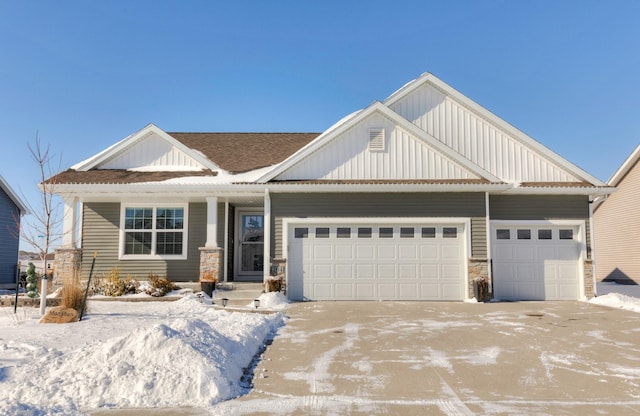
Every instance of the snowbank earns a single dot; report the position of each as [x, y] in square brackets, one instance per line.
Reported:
[151, 354]
[618, 300]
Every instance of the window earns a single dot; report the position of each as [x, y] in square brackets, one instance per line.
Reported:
[406, 232]
[524, 234]
[428, 232]
[301, 232]
[449, 232]
[344, 232]
[544, 235]
[322, 232]
[566, 234]
[386, 232]
[154, 231]
[364, 232]
[503, 234]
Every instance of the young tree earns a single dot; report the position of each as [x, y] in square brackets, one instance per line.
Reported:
[42, 230]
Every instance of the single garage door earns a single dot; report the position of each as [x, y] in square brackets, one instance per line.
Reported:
[376, 262]
[535, 262]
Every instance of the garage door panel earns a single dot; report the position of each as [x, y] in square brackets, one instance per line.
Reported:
[386, 271]
[382, 262]
[542, 267]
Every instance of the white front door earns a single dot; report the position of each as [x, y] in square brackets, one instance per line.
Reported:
[249, 250]
[360, 260]
[536, 261]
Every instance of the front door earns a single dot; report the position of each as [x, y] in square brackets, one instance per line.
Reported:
[250, 245]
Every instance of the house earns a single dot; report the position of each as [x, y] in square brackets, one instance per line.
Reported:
[411, 198]
[617, 225]
[11, 211]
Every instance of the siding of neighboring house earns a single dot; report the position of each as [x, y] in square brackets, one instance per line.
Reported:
[541, 207]
[9, 239]
[392, 205]
[101, 234]
[617, 231]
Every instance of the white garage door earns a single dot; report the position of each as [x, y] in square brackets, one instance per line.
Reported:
[376, 262]
[538, 262]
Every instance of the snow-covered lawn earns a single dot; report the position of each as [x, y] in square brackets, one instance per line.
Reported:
[148, 354]
[129, 354]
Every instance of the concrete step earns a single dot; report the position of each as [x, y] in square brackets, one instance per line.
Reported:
[237, 293]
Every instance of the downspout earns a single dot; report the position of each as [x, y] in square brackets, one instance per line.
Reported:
[266, 262]
[488, 231]
[593, 248]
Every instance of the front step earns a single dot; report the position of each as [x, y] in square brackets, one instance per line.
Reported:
[239, 294]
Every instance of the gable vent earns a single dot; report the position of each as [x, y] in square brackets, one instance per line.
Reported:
[376, 140]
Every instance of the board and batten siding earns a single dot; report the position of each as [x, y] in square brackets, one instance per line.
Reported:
[101, 235]
[9, 240]
[479, 140]
[541, 208]
[403, 156]
[396, 205]
[617, 231]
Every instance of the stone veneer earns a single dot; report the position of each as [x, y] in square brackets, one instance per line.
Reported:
[478, 268]
[589, 290]
[211, 259]
[66, 264]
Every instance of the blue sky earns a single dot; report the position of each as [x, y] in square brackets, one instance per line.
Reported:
[85, 74]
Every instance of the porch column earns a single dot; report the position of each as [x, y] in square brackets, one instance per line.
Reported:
[211, 255]
[212, 222]
[70, 222]
[266, 263]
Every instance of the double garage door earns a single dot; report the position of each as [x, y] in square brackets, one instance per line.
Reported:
[536, 262]
[373, 261]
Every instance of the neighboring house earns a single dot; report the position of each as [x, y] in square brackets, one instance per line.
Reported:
[411, 198]
[11, 211]
[37, 262]
[617, 226]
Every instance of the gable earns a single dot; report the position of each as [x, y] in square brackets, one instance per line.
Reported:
[376, 147]
[153, 153]
[480, 140]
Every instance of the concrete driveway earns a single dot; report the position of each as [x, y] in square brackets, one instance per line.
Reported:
[425, 358]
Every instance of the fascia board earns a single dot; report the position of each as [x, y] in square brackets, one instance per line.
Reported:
[349, 122]
[595, 191]
[130, 140]
[22, 207]
[625, 167]
[494, 119]
[316, 143]
[86, 190]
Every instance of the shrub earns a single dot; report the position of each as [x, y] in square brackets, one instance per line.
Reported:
[111, 284]
[72, 293]
[159, 286]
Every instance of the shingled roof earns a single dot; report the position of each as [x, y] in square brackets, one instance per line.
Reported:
[233, 152]
[243, 152]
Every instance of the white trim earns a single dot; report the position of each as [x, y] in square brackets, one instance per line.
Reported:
[411, 128]
[488, 242]
[581, 238]
[212, 222]
[266, 223]
[625, 167]
[153, 256]
[464, 221]
[226, 241]
[121, 146]
[492, 118]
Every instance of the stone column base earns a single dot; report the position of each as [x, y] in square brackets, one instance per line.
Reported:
[211, 259]
[67, 264]
[589, 289]
[478, 268]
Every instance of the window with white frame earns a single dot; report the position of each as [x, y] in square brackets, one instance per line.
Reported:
[154, 231]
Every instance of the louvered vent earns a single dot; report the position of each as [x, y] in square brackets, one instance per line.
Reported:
[376, 140]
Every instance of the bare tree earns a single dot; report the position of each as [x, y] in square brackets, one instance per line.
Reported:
[42, 231]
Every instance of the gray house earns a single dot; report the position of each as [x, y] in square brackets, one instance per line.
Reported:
[11, 211]
[411, 198]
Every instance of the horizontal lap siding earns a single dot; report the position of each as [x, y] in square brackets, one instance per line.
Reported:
[541, 207]
[9, 241]
[396, 205]
[101, 235]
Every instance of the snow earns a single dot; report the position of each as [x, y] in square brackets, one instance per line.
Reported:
[129, 354]
[186, 353]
